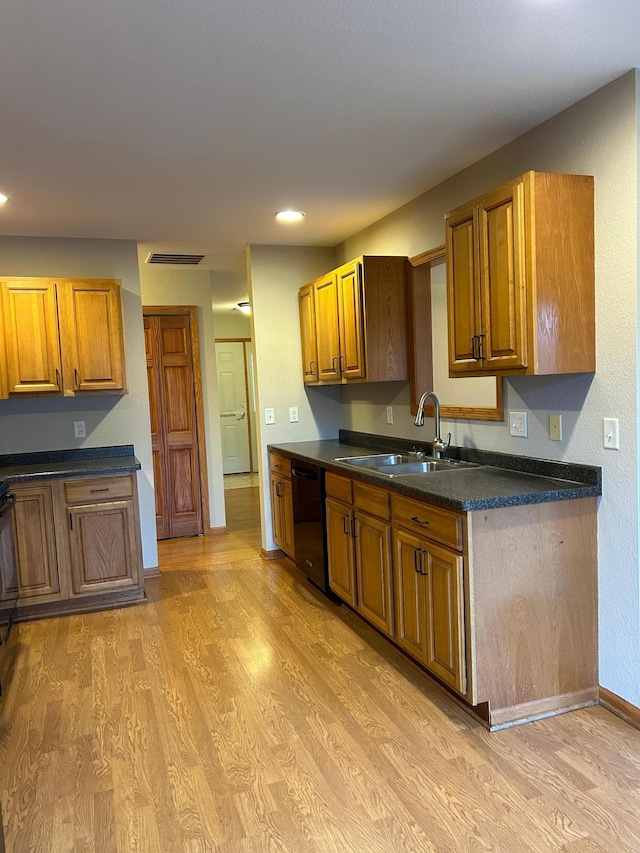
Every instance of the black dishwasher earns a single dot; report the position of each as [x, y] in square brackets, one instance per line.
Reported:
[308, 522]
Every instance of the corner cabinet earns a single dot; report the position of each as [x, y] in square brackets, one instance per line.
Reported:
[520, 278]
[515, 639]
[353, 323]
[62, 337]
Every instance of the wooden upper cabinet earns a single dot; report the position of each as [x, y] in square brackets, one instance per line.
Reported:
[308, 339]
[327, 328]
[360, 322]
[62, 337]
[93, 337]
[30, 324]
[520, 278]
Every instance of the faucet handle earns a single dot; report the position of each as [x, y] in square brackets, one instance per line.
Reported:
[446, 447]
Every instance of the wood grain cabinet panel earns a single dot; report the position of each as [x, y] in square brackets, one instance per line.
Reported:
[374, 598]
[103, 533]
[308, 336]
[340, 550]
[520, 278]
[282, 513]
[62, 337]
[360, 322]
[35, 540]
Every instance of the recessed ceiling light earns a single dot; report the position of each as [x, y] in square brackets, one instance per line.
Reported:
[3, 198]
[245, 307]
[289, 215]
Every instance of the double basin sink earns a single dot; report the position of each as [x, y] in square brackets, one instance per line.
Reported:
[398, 464]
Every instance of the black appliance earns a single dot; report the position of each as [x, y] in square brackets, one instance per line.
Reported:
[9, 586]
[307, 483]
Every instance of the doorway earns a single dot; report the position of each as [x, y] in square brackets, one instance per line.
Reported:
[177, 422]
[236, 397]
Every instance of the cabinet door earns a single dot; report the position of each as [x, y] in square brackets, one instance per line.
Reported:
[308, 339]
[340, 556]
[463, 283]
[410, 591]
[326, 305]
[445, 651]
[282, 513]
[35, 540]
[373, 571]
[351, 313]
[30, 320]
[92, 336]
[102, 547]
[502, 278]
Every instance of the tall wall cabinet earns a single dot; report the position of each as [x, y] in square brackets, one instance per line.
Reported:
[520, 278]
[353, 323]
[62, 337]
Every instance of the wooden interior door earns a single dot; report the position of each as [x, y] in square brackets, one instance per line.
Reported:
[232, 396]
[174, 435]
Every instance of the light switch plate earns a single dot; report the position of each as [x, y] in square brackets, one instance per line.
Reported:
[269, 416]
[518, 424]
[611, 433]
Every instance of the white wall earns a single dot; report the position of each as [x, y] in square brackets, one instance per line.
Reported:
[47, 423]
[233, 325]
[167, 286]
[597, 136]
[276, 273]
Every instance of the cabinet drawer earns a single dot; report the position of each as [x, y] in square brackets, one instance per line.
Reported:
[429, 521]
[97, 489]
[372, 500]
[338, 487]
[280, 465]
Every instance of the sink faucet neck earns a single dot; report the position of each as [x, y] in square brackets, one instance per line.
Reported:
[439, 446]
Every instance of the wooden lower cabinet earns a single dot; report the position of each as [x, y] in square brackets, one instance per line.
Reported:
[500, 605]
[35, 540]
[340, 553]
[430, 606]
[373, 571]
[282, 513]
[75, 540]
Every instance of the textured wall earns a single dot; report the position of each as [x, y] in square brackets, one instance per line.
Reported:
[234, 325]
[47, 424]
[597, 136]
[276, 274]
[167, 286]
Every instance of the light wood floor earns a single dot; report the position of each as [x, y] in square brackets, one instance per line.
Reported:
[239, 711]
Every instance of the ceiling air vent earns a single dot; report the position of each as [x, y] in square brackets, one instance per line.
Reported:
[160, 258]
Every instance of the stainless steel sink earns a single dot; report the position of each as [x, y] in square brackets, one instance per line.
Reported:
[398, 464]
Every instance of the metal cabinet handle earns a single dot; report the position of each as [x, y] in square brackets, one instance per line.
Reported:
[419, 520]
[93, 491]
[415, 560]
[278, 490]
[57, 378]
[480, 347]
[354, 529]
[77, 376]
[421, 569]
[311, 371]
[333, 364]
[345, 526]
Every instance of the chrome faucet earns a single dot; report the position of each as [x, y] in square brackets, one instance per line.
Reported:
[439, 446]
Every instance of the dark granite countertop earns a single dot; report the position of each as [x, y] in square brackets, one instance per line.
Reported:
[503, 480]
[52, 464]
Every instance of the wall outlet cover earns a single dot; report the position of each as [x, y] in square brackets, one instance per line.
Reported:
[555, 427]
[293, 414]
[79, 429]
[389, 414]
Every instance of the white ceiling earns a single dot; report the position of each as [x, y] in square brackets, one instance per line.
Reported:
[185, 125]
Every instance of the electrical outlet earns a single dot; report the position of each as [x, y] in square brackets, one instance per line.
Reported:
[518, 424]
[269, 416]
[555, 427]
[389, 414]
[293, 414]
[611, 433]
[79, 429]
